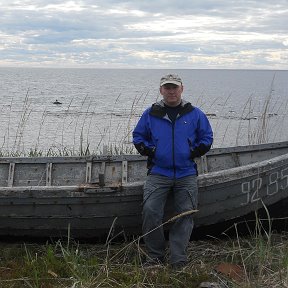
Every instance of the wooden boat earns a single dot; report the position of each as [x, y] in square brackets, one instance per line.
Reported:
[90, 196]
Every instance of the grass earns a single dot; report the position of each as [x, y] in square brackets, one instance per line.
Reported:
[258, 260]
[261, 261]
[56, 265]
[80, 128]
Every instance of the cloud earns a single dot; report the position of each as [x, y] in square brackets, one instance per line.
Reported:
[148, 33]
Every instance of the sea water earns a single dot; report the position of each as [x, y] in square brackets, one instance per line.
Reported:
[100, 107]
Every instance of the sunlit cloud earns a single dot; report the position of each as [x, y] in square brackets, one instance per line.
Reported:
[206, 34]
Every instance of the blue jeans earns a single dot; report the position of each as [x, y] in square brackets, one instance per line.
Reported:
[185, 198]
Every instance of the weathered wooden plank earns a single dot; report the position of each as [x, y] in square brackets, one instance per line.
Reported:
[88, 171]
[124, 172]
[4, 174]
[49, 174]
[55, 227]
[71, 209]
[11, 174]
[68, 174]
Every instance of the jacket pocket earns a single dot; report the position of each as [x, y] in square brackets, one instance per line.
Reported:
[190, 143]
[163, 154]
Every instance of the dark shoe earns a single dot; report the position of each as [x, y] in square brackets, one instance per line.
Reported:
[211, 285]
[153, 263]
[179, 266]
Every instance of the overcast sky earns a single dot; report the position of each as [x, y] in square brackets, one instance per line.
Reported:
[236, 34]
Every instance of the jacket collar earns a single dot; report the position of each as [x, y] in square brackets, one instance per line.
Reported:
[158, 109]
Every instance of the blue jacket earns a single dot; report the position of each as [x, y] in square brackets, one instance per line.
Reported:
[171, 147]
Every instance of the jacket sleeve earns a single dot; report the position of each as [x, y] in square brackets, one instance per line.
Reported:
[204, 139]
[142, 136]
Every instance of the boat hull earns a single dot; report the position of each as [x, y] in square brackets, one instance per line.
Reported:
[92, 210]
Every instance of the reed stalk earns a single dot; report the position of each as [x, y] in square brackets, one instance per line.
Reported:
[64, 120]
[76, 124]
[22, 122]
[117, 134]
[64, 263]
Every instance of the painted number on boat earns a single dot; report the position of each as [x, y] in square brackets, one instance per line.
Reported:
[276, 181]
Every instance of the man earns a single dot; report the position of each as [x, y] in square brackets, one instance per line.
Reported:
[171, 133]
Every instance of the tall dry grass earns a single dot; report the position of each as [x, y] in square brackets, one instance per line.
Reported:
[82, 130]
[258, 260]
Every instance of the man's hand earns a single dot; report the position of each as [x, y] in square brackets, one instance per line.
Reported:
[144, 150]
[199, 151]
[194, 154]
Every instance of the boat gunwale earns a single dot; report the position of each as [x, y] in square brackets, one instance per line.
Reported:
[244, 171]
[248, 148]
[209, 179]
[135, 157]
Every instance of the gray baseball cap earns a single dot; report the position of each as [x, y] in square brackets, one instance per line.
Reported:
[171, 79]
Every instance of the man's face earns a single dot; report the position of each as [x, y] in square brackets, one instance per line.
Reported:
[171, 94]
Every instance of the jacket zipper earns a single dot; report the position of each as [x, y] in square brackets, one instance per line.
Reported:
[173, 148]
[173, 145]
